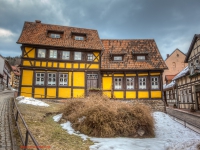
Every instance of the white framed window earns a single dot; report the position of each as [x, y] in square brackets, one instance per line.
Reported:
[66, 55]
[51, 79]
[77, 55]
[117, 58]
[142, 83]
[118, 83]
[55, 35]
[90, 57]
[154, 83]
[129, 83]
[39, 78]
[140, 57]
[92, 76]
[53, 54]
[63, 79]
[41, 53]
[79, 38]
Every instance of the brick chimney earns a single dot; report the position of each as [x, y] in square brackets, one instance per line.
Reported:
[37, 21]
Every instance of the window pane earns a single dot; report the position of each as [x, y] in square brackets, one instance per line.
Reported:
[140, 57]
[81, 38]
[90, 57]
[41, 53]
[53, 54]
[66, 55]
[119, 58]
[77, 55]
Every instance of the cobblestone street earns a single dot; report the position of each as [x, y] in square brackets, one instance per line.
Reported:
[5, 139]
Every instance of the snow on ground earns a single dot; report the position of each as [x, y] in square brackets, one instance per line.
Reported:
[170, 135]
[57, 117]
[31, 101]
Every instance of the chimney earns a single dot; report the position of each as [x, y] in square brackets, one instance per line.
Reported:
[167, 55]
[37, 21]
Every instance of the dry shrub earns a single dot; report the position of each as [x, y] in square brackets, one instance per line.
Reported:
[100, 117]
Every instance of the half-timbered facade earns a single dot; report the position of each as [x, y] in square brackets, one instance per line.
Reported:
[132, 69]
[58, 61]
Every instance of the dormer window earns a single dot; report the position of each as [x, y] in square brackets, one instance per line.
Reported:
[117, 58]
[55, 35]
[79, 38]
[140, 58]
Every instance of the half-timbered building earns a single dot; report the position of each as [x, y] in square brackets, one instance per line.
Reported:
[58, 61]
[132, 69]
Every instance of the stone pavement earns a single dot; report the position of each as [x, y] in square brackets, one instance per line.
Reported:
[5, 137]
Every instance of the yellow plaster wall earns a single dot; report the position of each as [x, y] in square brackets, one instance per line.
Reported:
[51, 92]
[154, 74]
[155, 94]
[27, 77]
[96, 54]
[39, 92]
[37, 63]
[78, 93]
[26, 91]
[64, 92]
[70, 78]
[82, 66]
[94, 66]
[75, 65]
[107, 93]
[49, 64]
[26, 63]
[68, 65]
[61, 65]
[143, 94]
[121, 75]
[44, 64]
[128, 75]
[31, 54]
[118, 94]
[143, 74]
[131, 94]
[79, 79]
[55, 64]
[107, 83]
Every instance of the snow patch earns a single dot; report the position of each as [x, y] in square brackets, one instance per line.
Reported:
[31, 101]
[57, 117]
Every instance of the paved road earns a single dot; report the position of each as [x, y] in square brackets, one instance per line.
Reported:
[5, 138]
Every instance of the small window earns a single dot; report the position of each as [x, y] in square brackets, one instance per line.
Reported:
[90, 57]
[79, 38]
[129, 83]
[142, 83]
[77, 55]
[39, 78]
[55, 35]
[154, 83]
[53, 54]
[63, 79]
[51, 79]
[66, 55]
[140, 57]
[191, 64]
[117, 58]
[41, 53]
[118, 83]
[197, 61]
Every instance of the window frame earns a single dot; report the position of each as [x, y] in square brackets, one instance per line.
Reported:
[53, 54]
[51, 78]
[41, 49]
[80, 56]
[56, 35]
[158, 87]
[79, 38]
[118, 82]
[143, 56]
[129, 82]
[40, 78]
[64, 58]
[117, 59]
[59, 77]
[90, 56]
[142, 82]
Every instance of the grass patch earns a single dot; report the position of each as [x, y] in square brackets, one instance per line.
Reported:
[99, 116]
[46, 131]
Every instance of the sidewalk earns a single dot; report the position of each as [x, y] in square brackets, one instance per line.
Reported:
[5, 136]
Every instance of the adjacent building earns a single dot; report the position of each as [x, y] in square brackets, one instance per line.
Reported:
[66, 62]
[175, 63]
[15, 76]
[5, 70]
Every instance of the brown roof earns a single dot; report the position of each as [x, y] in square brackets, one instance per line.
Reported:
[169, 77]
[36, 33]
[131, 48]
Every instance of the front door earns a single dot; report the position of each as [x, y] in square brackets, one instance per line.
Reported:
[92, 81]
[198, 99]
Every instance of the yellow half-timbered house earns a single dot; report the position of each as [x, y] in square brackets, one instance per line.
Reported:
[65, 62]
[58, 61]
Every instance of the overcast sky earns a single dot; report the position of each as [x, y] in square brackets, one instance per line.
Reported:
[172, 23]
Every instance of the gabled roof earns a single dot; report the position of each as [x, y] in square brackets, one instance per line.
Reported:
[182, 73]
[191, 47]
[173, 53]
[169, 77]
[169, 86]
[36, 33]
[129, 48]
